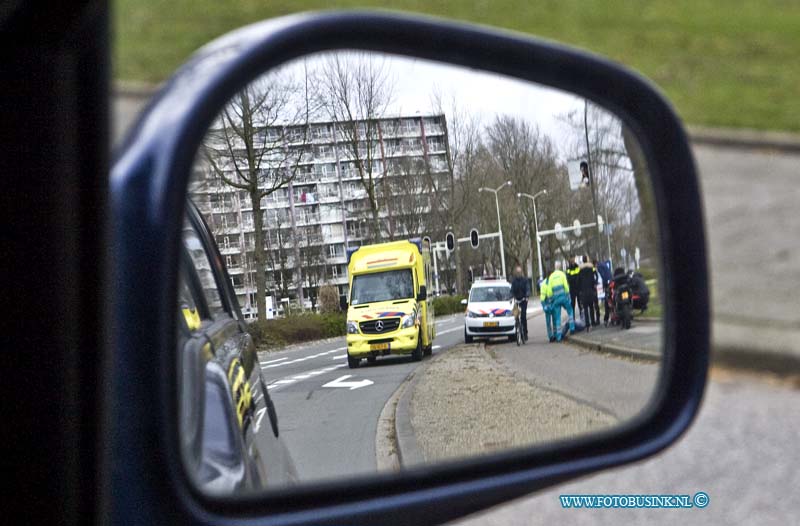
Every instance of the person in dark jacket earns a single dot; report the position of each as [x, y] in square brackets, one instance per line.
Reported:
[587, 292]
[521, 290]
[572, 278]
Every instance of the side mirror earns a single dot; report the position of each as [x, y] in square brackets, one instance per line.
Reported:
[149, 185]
[464, 302]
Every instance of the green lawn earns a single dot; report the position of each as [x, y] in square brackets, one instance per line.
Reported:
[722, 62]
[654, 304]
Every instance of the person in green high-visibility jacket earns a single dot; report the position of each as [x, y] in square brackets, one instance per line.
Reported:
[558, 292]
[547, 307]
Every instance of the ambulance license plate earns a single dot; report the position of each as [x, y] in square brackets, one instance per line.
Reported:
[379, 347]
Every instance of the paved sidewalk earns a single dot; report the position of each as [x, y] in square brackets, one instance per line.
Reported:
[642, 340]
[751, 199]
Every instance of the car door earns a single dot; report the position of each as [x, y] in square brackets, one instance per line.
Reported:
[239, 431]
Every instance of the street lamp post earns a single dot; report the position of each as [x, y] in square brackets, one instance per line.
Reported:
[536, 224]
[499, 225]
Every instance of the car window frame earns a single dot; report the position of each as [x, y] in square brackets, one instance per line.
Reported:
[221, 277]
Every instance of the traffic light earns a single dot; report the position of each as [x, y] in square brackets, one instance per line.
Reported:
[584, 173]
[450, 241]
[473, 238]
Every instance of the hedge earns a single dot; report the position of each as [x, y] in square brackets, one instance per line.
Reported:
[298, 328]
[443, 305]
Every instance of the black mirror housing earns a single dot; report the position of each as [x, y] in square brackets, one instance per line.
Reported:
[423, 293]
[148, 186]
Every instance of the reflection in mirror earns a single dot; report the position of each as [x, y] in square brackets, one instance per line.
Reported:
[342, 191]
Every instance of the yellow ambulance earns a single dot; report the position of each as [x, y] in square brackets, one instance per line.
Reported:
[388, 309]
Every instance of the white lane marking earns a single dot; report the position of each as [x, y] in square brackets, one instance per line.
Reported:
[273, 361]
[436, 347]
[303, 376]
[299, 360]
[340, 382]
[448, 330]
[259, 416]
[339, 357]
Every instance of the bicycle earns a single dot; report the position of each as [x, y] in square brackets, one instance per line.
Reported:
[521, 337]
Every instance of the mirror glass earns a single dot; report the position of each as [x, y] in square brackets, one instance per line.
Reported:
[391, 262]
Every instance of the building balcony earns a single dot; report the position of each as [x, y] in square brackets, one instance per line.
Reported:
[230, 249]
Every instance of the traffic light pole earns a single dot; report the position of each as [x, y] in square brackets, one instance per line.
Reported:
[436, 269]
[598, 243]
[500, 231]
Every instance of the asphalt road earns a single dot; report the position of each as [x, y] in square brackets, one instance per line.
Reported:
[617, 386]
[328, 413]
[741, 450]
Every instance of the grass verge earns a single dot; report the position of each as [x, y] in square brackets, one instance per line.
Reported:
[730, 63]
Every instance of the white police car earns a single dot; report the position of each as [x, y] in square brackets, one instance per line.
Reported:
[489, 310]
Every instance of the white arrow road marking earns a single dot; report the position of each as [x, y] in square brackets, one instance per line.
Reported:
[340, 382]
[303, 376]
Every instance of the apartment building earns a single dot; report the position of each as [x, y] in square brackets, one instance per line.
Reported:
[325, 207]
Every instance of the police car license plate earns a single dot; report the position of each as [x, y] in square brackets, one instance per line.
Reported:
[379, 347]
[491, 323]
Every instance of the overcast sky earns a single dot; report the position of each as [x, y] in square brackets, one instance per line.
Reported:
[481, 93]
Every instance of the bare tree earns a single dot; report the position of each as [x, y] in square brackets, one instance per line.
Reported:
[611, 165]
[452, 192]
[412, 204]
[248, 148]
[354, 91]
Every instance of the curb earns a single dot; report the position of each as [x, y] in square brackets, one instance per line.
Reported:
[744, 138]
[619, 350]
[408, 451]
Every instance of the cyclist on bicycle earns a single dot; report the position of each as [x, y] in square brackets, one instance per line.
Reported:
[521, 290]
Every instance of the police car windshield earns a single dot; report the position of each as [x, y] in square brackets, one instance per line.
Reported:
[382, 286]
[481, 294]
